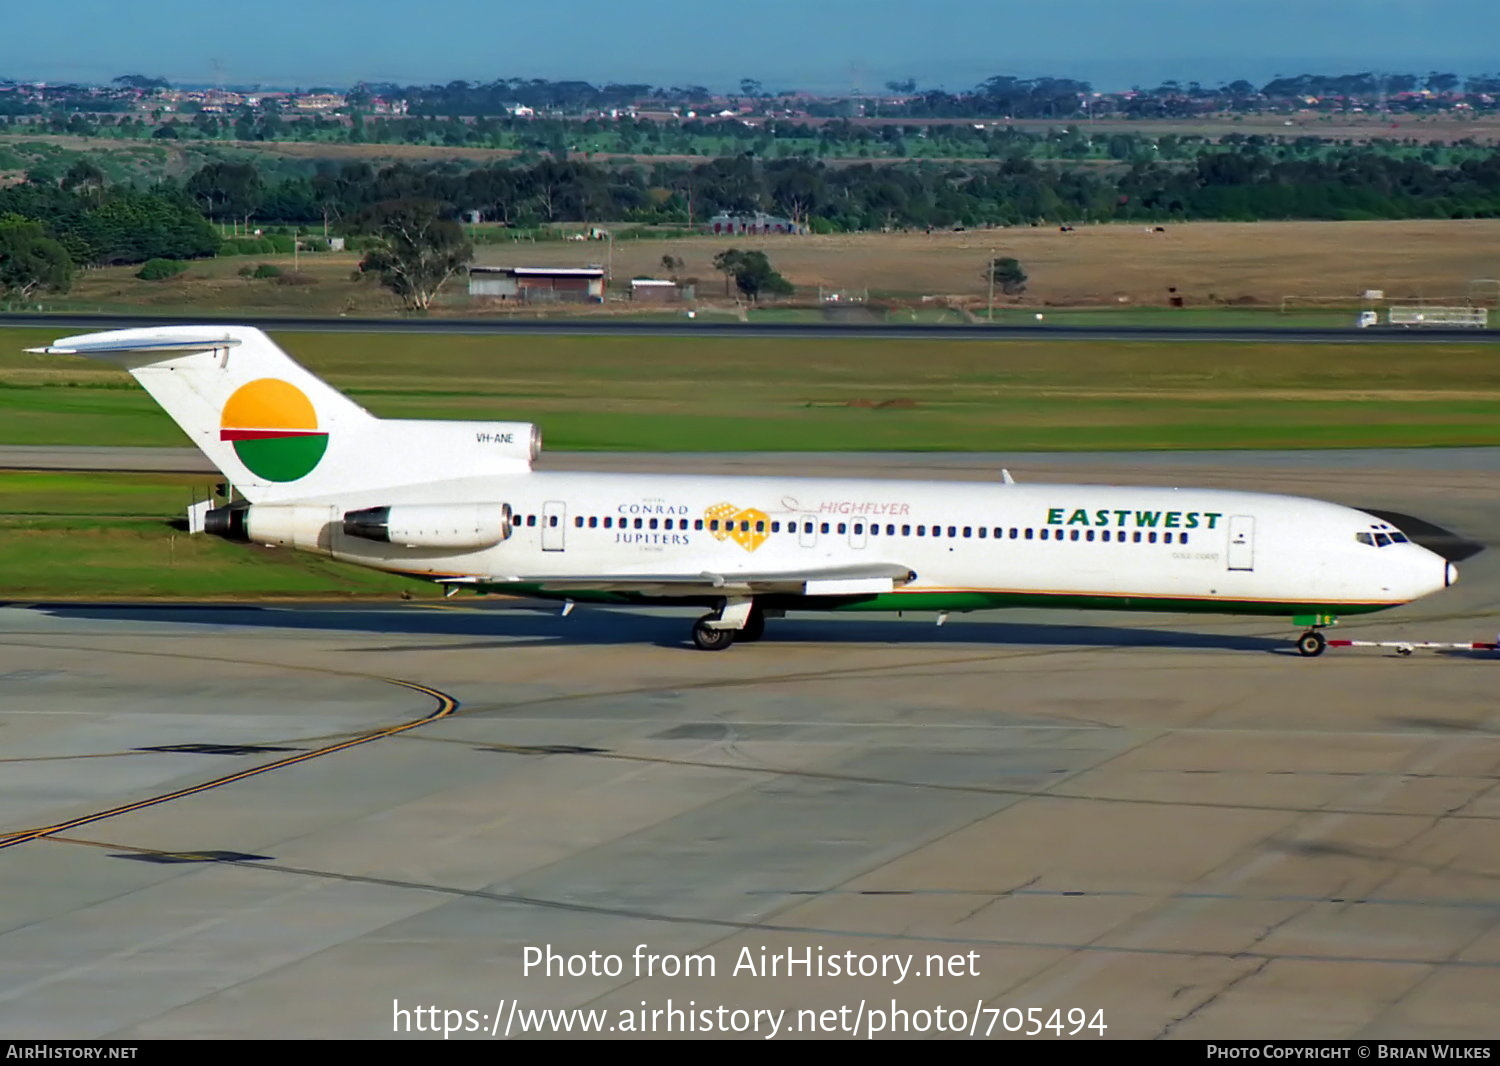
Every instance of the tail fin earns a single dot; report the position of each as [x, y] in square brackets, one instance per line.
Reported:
[279, 432]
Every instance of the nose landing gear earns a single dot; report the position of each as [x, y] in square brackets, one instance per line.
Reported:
[1312, 642]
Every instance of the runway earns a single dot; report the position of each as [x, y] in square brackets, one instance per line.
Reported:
[1174, 824]
[702, 327]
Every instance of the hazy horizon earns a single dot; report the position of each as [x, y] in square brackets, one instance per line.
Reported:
[837, 46]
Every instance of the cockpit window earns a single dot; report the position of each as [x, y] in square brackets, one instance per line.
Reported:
[1398, 538]
[1381, 540]
[1365, 538]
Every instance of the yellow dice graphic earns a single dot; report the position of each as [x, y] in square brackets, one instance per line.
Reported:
[747, 527]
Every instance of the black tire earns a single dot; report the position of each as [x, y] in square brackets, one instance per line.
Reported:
[711, 639]
[1311, 643]
[755, 628]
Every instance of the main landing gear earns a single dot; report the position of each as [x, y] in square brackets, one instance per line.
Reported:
[736, 620]
[1312, 642]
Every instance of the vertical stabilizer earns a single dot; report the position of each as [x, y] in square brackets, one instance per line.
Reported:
[268, 423]
[280, 433]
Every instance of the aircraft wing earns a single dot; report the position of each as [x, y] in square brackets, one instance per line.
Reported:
[829, 581]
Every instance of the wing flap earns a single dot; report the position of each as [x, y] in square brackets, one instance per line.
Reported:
[831, 581]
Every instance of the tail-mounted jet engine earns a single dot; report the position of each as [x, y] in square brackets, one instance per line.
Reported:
[436, 525]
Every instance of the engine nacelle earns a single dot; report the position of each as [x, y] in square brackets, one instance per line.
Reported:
[306, 526]
[432, 525]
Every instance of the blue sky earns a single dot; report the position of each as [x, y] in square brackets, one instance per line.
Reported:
[819, 45]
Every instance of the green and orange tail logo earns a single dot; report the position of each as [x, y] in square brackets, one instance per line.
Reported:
[274, 430]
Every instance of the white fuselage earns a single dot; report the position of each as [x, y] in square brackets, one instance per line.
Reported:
[1130, 547]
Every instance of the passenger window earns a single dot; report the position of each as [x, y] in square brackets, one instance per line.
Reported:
[952, 531]
[651, 524]
[890, 531]
[937, 531]
[1137, 536]
[1014, 533]
[760, 527]
[859, 528]
[982, 532]
[698, 523]
[1074, 536]
[1045, 533]
[968, 531]
[921, 531]
[874, 529]
[825, 527]
[531, 520]
[593, 522]
[1089, 535]
[1151, 537]
[1028, 534]
[1105, 535]
[1182, 538]
[906, 531]
[552, 521]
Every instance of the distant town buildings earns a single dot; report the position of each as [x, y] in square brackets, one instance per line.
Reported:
[760, 222]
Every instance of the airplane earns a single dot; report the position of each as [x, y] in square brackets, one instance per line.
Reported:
[458, 503]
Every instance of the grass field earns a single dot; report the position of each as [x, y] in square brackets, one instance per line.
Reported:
[1239, 269]
[752, 394]
[1111, 265]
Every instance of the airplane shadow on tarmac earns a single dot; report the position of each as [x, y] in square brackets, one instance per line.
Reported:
[498, 626]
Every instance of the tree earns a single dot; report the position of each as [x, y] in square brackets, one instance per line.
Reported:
[30, 260]
[419, 249]
[727, 263]
[140, 81]
[752, 273]
[84, 177]
[1006, 274]
[671, 264]
[227, 190]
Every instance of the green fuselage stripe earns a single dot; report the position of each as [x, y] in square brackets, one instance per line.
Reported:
[971, 601]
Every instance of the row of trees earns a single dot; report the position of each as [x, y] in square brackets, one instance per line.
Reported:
[96, 225]
[1248, 184]
[48, 231]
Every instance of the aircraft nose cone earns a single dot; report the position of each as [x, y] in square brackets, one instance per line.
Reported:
[1450, 574]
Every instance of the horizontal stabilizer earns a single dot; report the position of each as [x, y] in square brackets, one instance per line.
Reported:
[105, 344]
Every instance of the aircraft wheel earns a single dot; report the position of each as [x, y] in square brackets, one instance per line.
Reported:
[711, 639]
[755, 628]
[1312, 643]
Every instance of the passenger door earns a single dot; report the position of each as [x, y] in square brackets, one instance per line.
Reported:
[1241, 542]
[554, 525]
[807, 536]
